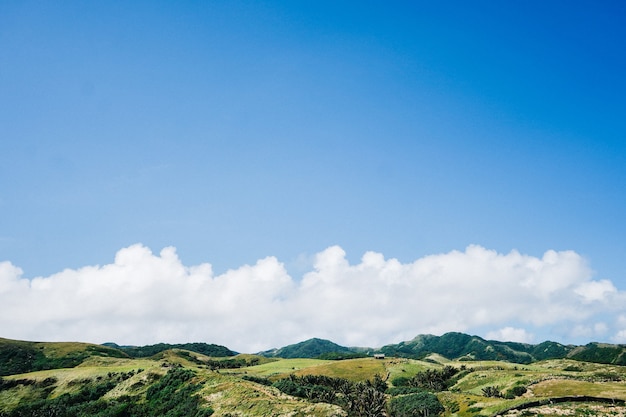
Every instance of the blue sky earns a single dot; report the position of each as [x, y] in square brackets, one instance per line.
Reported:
[235, 131]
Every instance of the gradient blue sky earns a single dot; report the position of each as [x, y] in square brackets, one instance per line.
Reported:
[239, 130]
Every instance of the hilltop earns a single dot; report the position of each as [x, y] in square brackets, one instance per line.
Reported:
[312, 348]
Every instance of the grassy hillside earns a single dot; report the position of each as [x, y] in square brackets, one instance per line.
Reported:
[21, 356]
[108, 385]
[180, 382]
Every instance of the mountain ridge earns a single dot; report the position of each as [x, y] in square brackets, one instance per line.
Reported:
[461, 346]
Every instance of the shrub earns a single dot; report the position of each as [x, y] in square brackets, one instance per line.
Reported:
[492, 392]
[516, 391]
[400, 381]
[416, 405]
[394, 391]
[258, 380]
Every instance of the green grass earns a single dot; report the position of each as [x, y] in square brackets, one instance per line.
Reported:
[229, 395]
[352, 369]
[407, 368]
[279, 367]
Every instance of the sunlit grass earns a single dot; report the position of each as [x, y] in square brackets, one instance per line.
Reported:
[279, 367]
[351, 369]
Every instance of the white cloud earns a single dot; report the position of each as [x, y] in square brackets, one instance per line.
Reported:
[588, 330]
[620, 336]
[511, 334]
[592, 291]
[144, 298]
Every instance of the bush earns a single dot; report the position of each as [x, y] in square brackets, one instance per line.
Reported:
[434, 380]
[400, 381]
[394, 391]
[416, 405]
[172, 396]
[492, 392]
[258, 380]
[516, 391]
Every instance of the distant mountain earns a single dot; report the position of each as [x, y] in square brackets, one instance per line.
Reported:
[600, 353]
[312, 348]
[150, 350]
[461, 346]
[465, 347]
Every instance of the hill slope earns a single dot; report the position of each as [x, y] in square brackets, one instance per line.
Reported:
[18, 356]
[465, 347]
[460, 346]
[311, 348]
[150, 350]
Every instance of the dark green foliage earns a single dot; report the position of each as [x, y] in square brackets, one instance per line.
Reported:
[595, 352]
[257, 379]
[312, 348]
[230, 363]
[290, 387]
[358, 399]
[151, 350]
[516, 391]
[365, 401]
[492, 392]
[218, 364]
[316, 388]
[549, 350]
[434, 379]
[84, 403]
[339, 356]
[455, 345]
[17, 357]
[378, 383]
[8, 383]
[172, 396]
[400, 381]
[403, 390]
[421, 404]
[607, 376]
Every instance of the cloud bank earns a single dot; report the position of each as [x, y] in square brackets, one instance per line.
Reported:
[144, 298]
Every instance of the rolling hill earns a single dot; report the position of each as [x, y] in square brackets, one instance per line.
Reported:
[18, 356]
[150, 350]
[311, 348]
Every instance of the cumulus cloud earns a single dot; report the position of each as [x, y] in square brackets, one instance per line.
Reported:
[511, 334]
[144, 298]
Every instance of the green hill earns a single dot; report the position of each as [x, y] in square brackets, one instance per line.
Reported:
[600, 353]
[151, 350]
[459, 346]
[455, 345]
[312, 348]
[18, 356]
